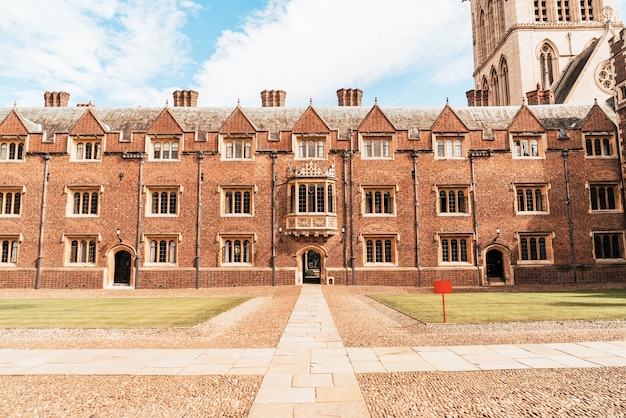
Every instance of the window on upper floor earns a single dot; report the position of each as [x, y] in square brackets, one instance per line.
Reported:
[528, 147]
[163, 200]
[312, 196]
[541, 11]
[531, 199]
[604, 197]
[586, 10]
[237, 200]
[455, 249]
[608, 245]
[380, 249]
[12, 149]
[535, 247]
[83, 200]
[377, 147]
[311, 148]
[237, 249]
[601, 146]
[547, 66]
[10, 201]
[81, 250]
[163, 249]
[379, 200]
[86, 148]
[449, 147]
[9, 250]
[453, 200]
[163, 148]
[563, 13]
[236, 148]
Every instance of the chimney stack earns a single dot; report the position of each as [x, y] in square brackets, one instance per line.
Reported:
[56, 98]
[350, 97]
[185, 98]
[539, 97]
[273, 98]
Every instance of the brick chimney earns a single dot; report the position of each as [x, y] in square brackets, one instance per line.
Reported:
[185, 98]
[273, 98]
[539, 97]
[477, 97]
[349, 97]
[56, 98]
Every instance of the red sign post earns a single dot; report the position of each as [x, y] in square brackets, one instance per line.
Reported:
[443, 287]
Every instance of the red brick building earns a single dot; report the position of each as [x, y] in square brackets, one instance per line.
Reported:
[196, 197]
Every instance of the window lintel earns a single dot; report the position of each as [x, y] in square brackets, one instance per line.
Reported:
[68, 237]
[241, 235]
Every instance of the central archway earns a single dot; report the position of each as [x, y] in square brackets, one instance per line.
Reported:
[311, 265]
[496, 260]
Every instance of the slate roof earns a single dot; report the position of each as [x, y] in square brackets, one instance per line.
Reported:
[567, 80]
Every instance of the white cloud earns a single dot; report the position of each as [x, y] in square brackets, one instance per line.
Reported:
[312, 48]
[113, 49]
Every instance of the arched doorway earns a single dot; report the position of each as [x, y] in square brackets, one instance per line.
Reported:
[494, 265]
[121, 275]
[312, 267]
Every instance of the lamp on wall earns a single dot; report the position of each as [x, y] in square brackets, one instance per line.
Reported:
[118, 232]
[280, 231]
[121, 176]
[497, 233]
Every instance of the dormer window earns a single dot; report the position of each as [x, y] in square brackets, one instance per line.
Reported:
[237, 148]
[311, 148]
[376, 147]
[164, 149]
[528, 146]
[12, 149]
[86, 149]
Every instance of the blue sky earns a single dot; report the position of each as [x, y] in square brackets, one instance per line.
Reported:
[137, 52]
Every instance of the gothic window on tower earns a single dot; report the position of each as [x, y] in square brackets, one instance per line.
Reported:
[541, 14]
[546, 66]
[563, 10]
[586, 9]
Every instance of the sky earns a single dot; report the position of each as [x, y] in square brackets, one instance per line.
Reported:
[129, 53]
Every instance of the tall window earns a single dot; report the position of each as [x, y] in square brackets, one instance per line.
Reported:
[541, 14]
[82, 250]
[84, 202]
[608, 245]
[374, 147]
[527, 147]
[600, 146]
[380, 250]
[10, 202]
[535, 248]
[164, 149]
[455, 249]
[453, 200]
[546, 66]
[9, 248]
[531, 198]
[311, 148]
[314, 197]
[378, 201]
[586, 9]
[162, 250]
[563, 10]
[237, 250]
[87, 149]
[238, 148]
[604, 197]
[506, 94]
[449, 147]
[163, 201]
[12, 149]
[237, 201]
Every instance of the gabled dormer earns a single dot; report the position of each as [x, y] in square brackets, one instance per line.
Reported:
[377, 135]
[450, 136]
[237, 137]
[527, 136]
[311, 136]
[599, 134]
[164, 138]
[87, 138]
[14, 136]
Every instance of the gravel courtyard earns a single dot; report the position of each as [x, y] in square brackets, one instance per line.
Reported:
[361, 322]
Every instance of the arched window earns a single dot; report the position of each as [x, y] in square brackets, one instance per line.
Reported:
[166, 150]
[229, 149]
[80, 151]
[174, 150]
[547, 61]
[504, 83]
[490, 26]
[482, 41]
[157, 150]
[495, 87]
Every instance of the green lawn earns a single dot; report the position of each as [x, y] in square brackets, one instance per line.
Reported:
[511, 306]
[112, 312]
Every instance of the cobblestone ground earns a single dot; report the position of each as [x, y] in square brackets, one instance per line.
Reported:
[127, 396]
[597, 392]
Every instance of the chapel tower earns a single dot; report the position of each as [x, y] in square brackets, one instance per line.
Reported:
[549, 51]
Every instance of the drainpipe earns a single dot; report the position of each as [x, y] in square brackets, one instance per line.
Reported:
[352, 210]
[139, 216]
[344, 228]
[414, 154]
[200, 157]
[570, 222]
[475, 218]
[274, 155]
[46, 177]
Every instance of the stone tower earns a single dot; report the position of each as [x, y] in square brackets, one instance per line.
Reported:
[551, 51]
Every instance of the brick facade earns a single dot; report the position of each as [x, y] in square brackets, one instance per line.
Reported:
[266, 196]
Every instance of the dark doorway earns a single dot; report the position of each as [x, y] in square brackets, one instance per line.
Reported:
[122, 268]
[495, 267]
[311, 262]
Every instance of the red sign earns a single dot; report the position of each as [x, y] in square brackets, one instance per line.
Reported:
[443, 286]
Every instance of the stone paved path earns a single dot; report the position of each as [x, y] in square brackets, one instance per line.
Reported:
[310, 373]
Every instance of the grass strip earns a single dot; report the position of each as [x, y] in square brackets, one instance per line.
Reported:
[112, 312]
